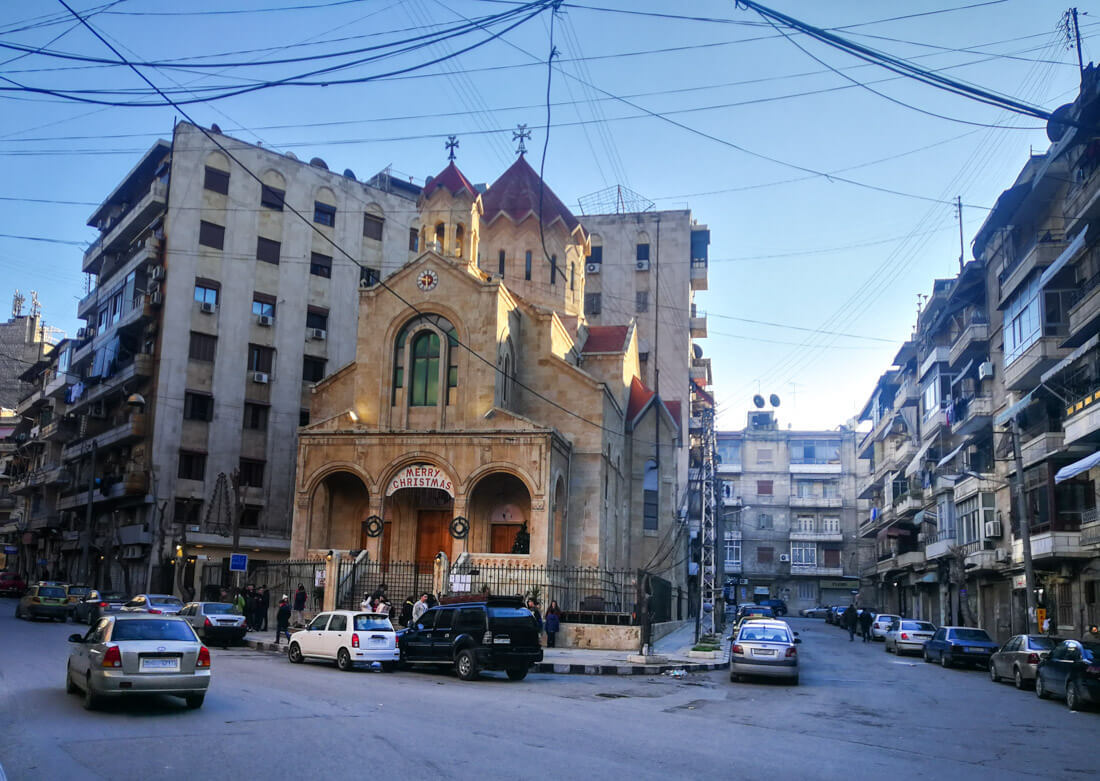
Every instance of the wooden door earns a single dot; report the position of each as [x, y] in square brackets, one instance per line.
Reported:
[387, 540]
[433, 534]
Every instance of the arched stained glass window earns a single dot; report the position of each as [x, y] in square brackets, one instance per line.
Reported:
[425, 370]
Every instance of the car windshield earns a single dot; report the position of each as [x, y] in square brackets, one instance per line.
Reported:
[887, 619]
[160, 601]
[764, 634]
[78, 591]
[152, 629]
[54, 592]
[365, 623]
[112, 596]
[976, 635]
[517, 617]
[1041, 643]
[219, 608]
[918, 626]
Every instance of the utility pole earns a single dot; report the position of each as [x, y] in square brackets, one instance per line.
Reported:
[1025, 528]
[708, 573]
[962, 242]
[85, 548]
[1077, 43]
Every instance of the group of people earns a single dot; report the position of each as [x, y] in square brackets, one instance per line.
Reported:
[858, 621]
[252, 603]
[283, 615]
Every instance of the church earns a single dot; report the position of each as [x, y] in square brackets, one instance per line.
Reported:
[483, 417]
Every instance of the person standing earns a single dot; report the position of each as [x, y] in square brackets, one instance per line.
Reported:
[850, 621]
[282, 620]
[265, 606]
[420, 608]
[553, 623]
[534, 608]
[865, 621]
[299, 605]
[407, 610]
[238, 602]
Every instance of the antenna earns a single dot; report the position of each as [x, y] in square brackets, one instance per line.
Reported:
[962, 244]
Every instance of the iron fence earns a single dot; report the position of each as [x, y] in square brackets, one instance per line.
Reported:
[280, 577]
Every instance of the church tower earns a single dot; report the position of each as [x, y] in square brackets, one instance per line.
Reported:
[450, 210]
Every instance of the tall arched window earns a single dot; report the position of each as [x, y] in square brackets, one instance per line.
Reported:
[440, 234]
[650, 484]
[425, 370]
[460, 236]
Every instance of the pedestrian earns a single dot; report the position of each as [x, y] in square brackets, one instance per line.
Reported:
[866, 618]
[383, 606]
[265, 606]
[553, 623]
[533, 606]
[407, 610]
[238, 602]
[282, 620]
[850, 621]
[299, 605]
[420, 608]
[366, 603]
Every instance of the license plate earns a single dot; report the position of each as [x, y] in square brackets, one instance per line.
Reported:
[763, 652]
[227, 623]
[975, 650]
[160, 665]
[376, 642]
[502, 640]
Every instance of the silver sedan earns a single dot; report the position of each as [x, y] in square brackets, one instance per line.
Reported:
[764, 647]
[905, 634]
[138, 653]
[1019, 658]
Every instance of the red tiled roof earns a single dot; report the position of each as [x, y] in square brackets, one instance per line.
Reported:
[606, 339]
[516, 193]
[451, 179]
[639, 397]
[673, 408]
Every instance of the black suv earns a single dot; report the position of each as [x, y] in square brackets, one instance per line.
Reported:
[498, 634]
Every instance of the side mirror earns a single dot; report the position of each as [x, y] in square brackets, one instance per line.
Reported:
[76, 638]
[796, 634]
[797, 641]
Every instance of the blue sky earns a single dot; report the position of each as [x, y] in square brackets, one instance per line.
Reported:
[793, 255]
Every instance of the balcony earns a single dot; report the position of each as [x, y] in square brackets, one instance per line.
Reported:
[29, 401]
[57, 430]
[817, 501]
[700, 370]
[866, 486]
[698, 327]
[729, 469]
[1024, 372]
[1044, 250]
[979, 557]
[127, 226]
[132, 482]
[815, 469]
[816, 536]
[134, 534]
[975, 415]
[901, 456]
[969, 485]
[816, 571]
[908, 504]
[699, 274]
[940, 546]
[1083, 419]
[1053, 545]
[141, 367]
[908, 392]
[56, 385]
[932, 424]
[1085, 310]
[1082, 202]
[1039, 448]
[976, 334]
[939, 354]
[126, 431]
[1090, 532]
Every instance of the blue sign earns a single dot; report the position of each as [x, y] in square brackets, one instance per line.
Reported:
[10, 549]
[238, 562]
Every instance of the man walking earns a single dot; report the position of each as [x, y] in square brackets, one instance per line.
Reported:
[420, 608]
[299, 605]
[850, 621]
[865, 621]
[282, 620]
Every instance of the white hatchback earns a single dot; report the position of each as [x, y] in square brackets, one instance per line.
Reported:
[881, 625]
[347, 637]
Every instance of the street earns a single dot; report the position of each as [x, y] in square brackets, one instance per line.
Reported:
[858, 711]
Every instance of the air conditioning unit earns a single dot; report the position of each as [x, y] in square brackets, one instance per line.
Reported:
[641, 265]
[156, 299]
[592, 268]
[784, 557]
[96, 410]
[993, 529]
[1001, 556]
[260, 377]
[207, 308]
[985, 369]
[156, 273]
[264, 320]
[317, 334]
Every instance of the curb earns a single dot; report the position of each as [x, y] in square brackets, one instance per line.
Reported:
[553, 668]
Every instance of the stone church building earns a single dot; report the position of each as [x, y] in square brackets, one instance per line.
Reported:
[482, 414]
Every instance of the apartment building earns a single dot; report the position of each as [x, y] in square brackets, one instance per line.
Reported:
[790, 513]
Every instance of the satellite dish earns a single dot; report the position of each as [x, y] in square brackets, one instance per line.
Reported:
[758, 400]
[1057, 124]
[349, 173]
[318, 163]
[774, 400]
[215, 128]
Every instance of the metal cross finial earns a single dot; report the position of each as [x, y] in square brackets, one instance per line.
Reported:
[521, 134]
[451, 144]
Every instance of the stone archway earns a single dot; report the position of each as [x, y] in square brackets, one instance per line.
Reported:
[499, 505]
[337, 508]
[559, 521]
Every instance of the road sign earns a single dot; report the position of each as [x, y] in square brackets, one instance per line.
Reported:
[238, 562]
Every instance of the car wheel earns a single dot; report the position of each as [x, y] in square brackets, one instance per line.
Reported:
[1018, 678]
[343, 660]
[194, 701]
[1073, 696]
[993, 673]
[734, 678]
[517, 673]
[295, 654]
[466, 665]
[927, 658]
[794, 680]
[944, 661]
[1040, 690]
[91, 702]
[70, 687]
[389, 667]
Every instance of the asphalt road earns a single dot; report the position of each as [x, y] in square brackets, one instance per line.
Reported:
[858, 712]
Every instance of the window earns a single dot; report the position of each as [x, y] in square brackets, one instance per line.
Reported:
[303, 417]
[187, 512]
[323, 214]
[192, 466]
[211, 235]
[764, 521]
[527, 265]
[764, 455]
[216, 181]
[832, 557]
[650, 497]
[267, 250]
[339, 623]
[263, 305]
[318, 624]
[313, 369]
[502, 536]
[641, 252]
[460, 239]
[470, 619]
[572, 276]
[320, 265]
[368, 277]
[272, 197]
[198, 406]
[765, 554]
[205, 294]
[414, 240]
[807, 590]
[729, 451]
[425, 370]
[971, 515]
[202, 347]
[804, 554]
[260, 358]
[815, 451]
[592, 303]
[255, 416]
[805, 523]
[446, 619]
[500, 263]
[597, 254]
[763, 487]
[733, 549]
[372, 227]
[317, 319]
[252, 472]
[553, 269]
[830, 489]
[830, 525]
[641, 301]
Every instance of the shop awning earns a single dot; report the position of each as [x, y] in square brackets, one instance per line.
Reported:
[1068, 254]
[918, 459]
[1072, 357]
[1006, 415]
[928, 577]
[1077, 467]
[947, 459]
[962, 374]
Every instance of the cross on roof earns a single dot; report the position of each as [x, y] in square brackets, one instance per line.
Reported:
[451, 144]
[521, 134]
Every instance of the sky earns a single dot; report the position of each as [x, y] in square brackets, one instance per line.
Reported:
[828, 184]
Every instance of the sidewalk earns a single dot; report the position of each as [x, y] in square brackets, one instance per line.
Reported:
[584, 661]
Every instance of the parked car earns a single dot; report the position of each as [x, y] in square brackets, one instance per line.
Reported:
[41, 601]
[216, 623]
[158, 604]
[765, 648]
[881, 625]
[12, 584]
[347, 637]
[74, 594]
[835, 615]
[778, 606]
[1019, 657]
[906, 634]
[138, 653]
[498, 634]
[960, 645]
[97, 604]
[750, 612]
[1071, 671]
[814, 612]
